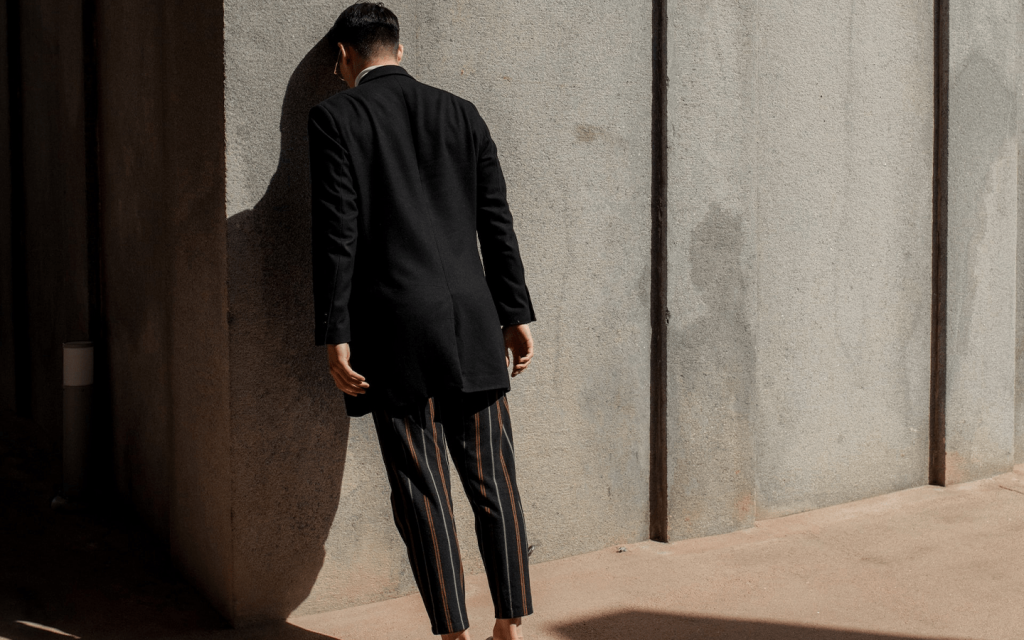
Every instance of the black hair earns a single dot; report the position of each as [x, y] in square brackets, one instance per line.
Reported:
[368, 27]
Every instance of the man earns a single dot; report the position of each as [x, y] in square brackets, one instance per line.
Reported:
[405, 181]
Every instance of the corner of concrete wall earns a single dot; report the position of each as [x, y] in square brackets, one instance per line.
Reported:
[200, 508]
[984, 92]
[162, 192]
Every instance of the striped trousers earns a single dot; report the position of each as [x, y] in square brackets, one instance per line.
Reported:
[476, 428]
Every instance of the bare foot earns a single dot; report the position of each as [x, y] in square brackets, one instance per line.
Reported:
[507, 629]
[461, 635]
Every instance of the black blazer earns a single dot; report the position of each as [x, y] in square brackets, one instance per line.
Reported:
[405, 179]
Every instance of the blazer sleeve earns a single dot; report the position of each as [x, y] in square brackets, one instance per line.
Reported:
[503, 266]
[334, 226]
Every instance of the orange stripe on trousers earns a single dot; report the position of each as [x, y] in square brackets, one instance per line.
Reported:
[437, 556]
[444, 485]
[479, 461]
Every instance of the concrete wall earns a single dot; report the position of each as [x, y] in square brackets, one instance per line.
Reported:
[161, 187]
[55, 204]
[983, 147]
[800, 222]
[800, 256]
[313, 527]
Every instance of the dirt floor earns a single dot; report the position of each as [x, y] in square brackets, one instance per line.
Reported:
[929, 562]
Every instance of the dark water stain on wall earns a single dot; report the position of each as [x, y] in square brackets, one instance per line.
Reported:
[976, 144]
[984, 120]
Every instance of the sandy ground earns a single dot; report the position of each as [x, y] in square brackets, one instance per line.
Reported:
[928, 562]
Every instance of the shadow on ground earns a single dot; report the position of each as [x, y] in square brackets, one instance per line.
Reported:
[96, 574]
[656, 625]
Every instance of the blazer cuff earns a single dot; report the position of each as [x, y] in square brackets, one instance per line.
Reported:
[523, 316]
[333, 335]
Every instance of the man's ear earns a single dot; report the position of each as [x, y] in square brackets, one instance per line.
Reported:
[401, 49]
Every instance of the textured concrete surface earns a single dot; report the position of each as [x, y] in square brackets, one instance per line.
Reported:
[800, 256]
[55, 207]
[929, 562]
[162, 184]
[844, 246]
[312, 522]
[980, 361]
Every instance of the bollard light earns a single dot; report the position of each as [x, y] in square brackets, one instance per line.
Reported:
[78, 376]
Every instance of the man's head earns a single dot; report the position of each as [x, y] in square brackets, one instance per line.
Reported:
[366, 34]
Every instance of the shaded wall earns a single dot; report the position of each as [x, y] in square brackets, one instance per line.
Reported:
[6, 259]
[800, 256]
[161, 179]
[983, 146]
[573, 133]
[53, 162]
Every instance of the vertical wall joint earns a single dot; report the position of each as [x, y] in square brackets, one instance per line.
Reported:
[659, 273]
[937, 453]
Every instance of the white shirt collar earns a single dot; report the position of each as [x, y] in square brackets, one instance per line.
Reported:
[365, 71]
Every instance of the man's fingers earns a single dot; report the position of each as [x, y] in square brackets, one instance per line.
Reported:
[345, 378]
[342, 369]
[357, 384]
[347, 387]
[523, 359]
[351, 384]
[349, 372]
[521, 364]
[352, 390]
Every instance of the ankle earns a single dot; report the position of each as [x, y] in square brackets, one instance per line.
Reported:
[507, 628]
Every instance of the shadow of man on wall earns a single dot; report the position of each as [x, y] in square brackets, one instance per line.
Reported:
[289, 427]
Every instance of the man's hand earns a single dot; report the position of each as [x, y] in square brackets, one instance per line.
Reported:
[344, 377]
[520, 342]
